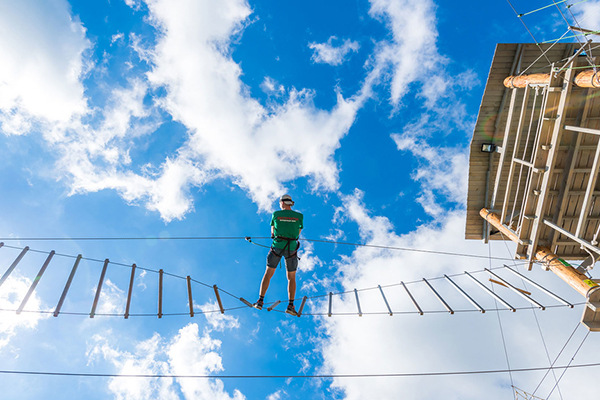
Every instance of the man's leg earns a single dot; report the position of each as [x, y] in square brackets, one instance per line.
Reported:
[264, 285]
[291, 275]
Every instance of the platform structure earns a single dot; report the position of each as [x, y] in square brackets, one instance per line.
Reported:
[535, 160]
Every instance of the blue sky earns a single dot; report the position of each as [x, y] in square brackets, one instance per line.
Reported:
[146, 119]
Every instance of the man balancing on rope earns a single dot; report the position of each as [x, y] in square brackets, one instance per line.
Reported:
[286, 226]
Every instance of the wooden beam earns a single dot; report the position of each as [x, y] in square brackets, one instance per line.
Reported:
[578, 281]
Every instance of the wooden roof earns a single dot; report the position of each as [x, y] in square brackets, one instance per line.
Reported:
[571, 166]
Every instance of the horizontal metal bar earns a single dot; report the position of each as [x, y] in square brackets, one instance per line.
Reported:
[35, 282]
[129, 291]
[246, 302]
[412, 298]
[450, 310]
[488, 291]
[13, 265]
[543, 289]
[571, 236]
[384, 299]
[582, 130]
[528, 164]
[302, 306]
[357, 303]
[67, 286]
[99, 289]
[464, 294]
[514, 289]
[278, 302]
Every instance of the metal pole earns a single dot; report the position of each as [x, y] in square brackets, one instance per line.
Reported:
[450, 310]
[302, 306]
[216, 289]
[517, 291]
[357, 303]
[130, 291]
[67, 286]
[330, 296]
[465, 294]
[384, 299]
[494, 295]
[543, 289]
[98, 289]
[189, 290]
[160, 292]
[412, 298]
[35, 282]
[13, 265]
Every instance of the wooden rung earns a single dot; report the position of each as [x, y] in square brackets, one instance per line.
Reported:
[464, 294]
[67, 286]
[502, 284]
[216, 289]
[274, 305]
[357, 303]
[13, 265]
[160, 292]
[189, 291]
[35, 282]
[330, 299]
[302, 306]
[246, 302]
[385, 300]
[516, 290]
[412, 298]
[130, 291]
[99, 289]
[488, 291]
[543, 289]
[450, 310]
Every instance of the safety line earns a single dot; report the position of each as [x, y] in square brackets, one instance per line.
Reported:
[316, 376]
[569, 364]
[531, 34]
[541, 8]
[243, 238]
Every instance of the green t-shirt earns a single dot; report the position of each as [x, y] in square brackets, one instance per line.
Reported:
[287, 224]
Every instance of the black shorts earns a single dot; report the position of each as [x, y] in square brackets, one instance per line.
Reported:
[291, 260]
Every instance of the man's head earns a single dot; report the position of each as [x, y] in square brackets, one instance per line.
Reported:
[286, 202]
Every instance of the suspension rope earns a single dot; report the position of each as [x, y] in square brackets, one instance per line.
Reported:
[531, 34]
[446, 253]
[568, 365]
[556, 359]
[320, 376]
[534, 311]
[512, 384]
[540, 9]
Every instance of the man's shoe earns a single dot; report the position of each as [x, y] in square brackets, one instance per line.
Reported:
[258, 305]
[290, 310]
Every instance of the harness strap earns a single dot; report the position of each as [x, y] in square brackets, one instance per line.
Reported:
[287, 245]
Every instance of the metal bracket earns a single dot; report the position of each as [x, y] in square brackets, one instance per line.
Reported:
[591, 312]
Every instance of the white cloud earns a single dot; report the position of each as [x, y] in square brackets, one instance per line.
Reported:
[328, 53]
[11, 295]
[378, 344]
[588, 15]
[187, 353]
[442, 171]
[412, 52]
[41, 48]
[216, 320]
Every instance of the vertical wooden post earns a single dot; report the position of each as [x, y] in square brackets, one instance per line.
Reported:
[67, 286]
[35, 282]
[219, 299]
[130, 291]
[189, 290]
[301, 306]
[99, 289]
[160, 290]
